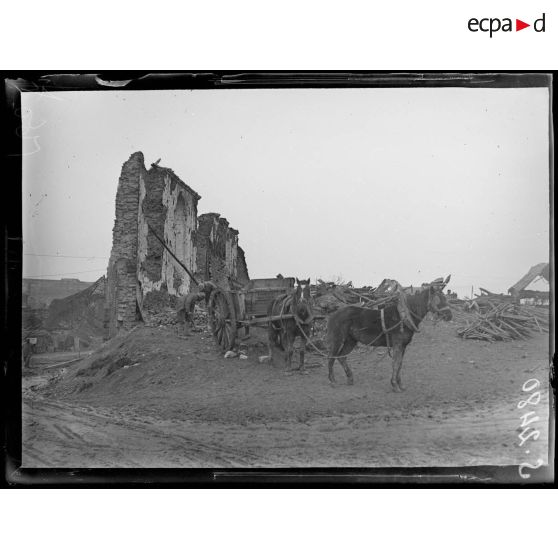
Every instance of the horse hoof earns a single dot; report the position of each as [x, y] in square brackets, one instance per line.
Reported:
[350, 382]
[401, 388]
[395, 388]
[304, 372]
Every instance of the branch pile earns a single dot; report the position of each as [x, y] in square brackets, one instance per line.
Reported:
[504, 322]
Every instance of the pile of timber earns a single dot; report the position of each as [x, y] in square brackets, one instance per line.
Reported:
[329, 296]
[504, 322]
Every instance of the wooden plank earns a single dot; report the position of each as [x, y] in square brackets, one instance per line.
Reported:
[62, 363]
[272, 282]
[266, 319]
[257, 302]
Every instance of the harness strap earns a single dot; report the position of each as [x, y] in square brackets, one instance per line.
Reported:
[284, 301]
[384, 328]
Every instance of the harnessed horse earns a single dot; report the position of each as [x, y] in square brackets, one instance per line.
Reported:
[381, 328]
[282, 333]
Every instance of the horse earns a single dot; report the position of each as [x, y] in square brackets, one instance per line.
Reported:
[351, 325]
[282, 333]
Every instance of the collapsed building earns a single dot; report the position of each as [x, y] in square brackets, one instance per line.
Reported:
[534, 286]
[218, 255]
[156, 224]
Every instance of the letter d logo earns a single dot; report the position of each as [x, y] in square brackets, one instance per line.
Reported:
[539, 24]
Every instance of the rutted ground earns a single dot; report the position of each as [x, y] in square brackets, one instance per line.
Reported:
[155, 399]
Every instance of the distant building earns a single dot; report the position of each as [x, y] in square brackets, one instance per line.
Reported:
[39, 293]
[534, 286]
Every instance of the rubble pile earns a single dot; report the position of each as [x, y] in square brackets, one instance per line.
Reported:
[330, 296]
[200, 320]
[504, 322]
[159, 309]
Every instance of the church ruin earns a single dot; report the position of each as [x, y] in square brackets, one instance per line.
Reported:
[153, 203]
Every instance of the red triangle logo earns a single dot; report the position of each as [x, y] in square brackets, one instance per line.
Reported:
[519, 25]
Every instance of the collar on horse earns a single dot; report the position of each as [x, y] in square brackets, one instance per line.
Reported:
[288, 306]
[309, 318]
[405, 313]
[294, 306]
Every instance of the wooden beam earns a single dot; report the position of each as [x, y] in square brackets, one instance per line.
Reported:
[172, 254]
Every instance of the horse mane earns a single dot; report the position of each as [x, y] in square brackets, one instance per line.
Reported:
[418, 302]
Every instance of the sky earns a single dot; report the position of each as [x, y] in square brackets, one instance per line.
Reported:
[351, 184]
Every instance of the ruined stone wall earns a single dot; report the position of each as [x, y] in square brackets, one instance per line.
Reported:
[242, 274]
[141, 272]
[139, 264]
[217, 251]
[122, 284]
[170, 207]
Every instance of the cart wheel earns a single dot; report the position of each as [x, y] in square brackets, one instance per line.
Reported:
[222, 319]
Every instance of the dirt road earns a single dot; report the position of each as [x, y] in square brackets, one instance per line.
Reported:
[65, 435]
[154, 399]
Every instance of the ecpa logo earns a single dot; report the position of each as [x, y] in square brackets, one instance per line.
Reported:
[493, 25]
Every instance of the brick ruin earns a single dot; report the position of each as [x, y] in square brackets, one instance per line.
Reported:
[140, 269]
[218, 255]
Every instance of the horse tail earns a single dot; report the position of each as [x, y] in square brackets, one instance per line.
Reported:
[338, 332]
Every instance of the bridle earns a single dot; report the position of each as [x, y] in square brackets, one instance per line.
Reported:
[431, 306]
[434, 307]
[301, 302]
[290, 303]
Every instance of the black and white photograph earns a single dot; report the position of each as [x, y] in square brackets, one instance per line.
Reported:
[290, 276]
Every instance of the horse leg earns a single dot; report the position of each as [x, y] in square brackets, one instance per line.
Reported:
[271, 340]
[348, 371]
[288, 344]
[340, 352]
[289, 361]
[330, 363]
[398, 352]
[302, 354]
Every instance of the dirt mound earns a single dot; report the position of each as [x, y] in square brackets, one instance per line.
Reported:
[141, 346]
[153, 398]
[156, 372]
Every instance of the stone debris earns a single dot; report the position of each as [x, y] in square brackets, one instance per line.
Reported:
[230, 354]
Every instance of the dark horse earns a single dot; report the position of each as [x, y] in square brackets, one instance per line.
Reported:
[282, 333]
[351, 325]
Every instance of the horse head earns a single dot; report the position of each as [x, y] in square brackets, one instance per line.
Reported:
[437, 303]
[302, 306]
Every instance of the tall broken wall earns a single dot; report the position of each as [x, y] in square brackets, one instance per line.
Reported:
[170, 207]
[219, 257]
[122, 287]
[146, 201]
[157, 200]
[242, 274]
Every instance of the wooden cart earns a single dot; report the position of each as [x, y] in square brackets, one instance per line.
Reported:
[234, 308]
[230, 310]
